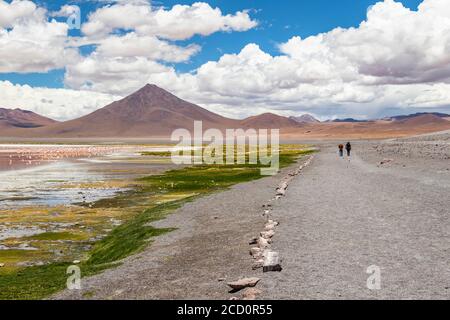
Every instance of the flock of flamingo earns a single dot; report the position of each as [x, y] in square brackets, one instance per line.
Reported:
[36, 154]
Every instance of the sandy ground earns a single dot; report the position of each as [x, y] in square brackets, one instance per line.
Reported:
[338, 218]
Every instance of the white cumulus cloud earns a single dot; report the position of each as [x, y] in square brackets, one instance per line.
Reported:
[59, 104]
[178, 23]
[14, 11]
[134, 41]
[29, 42]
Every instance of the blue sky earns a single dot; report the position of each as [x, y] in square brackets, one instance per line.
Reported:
[279, 21]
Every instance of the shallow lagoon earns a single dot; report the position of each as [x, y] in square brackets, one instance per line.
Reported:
[37, 175]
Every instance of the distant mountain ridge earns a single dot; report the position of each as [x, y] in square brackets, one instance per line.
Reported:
[155, 112]
[306, 118]
[269, 121]
[396, 118]
[18, 118]
[349, 120]
[409, 116]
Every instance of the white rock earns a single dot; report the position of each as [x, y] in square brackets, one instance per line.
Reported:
[275, 223]
[263, 243]
[255, 251]
[283, 185]
[269, 226]
[267, 234]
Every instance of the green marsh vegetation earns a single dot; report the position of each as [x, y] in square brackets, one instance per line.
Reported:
[152, 198]
[157, 153]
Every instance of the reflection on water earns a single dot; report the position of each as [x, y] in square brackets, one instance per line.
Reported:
[49, 181]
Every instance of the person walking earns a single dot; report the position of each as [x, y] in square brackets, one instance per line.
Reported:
[348, 147]
[341, 150]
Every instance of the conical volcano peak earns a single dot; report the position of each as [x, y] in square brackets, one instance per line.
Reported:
[149, 111]
[148, 97]
[151, 89]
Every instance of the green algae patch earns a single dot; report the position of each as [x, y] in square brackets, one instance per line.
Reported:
[39, 282]
[34, 282]
[157, 153]
[132, 236]
[15, 259]
[200, 179]
[53, 236]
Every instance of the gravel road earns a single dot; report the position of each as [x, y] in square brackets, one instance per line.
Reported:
[341, 216]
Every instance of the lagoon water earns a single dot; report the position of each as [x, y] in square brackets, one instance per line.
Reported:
[41, 185]
[26, 179]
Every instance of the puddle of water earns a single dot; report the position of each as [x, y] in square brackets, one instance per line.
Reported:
[18, 232]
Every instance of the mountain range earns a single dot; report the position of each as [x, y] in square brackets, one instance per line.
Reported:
[18, 118]
[155, 112]
[306, 118]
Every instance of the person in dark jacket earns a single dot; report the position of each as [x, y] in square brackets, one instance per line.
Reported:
[348, 147]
